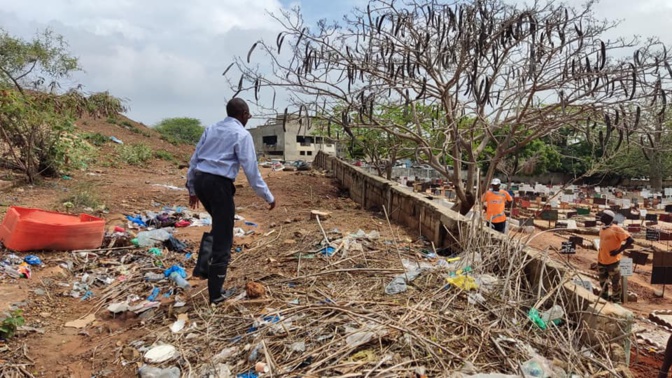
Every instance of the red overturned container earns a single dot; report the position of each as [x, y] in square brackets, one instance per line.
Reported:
[25, 229]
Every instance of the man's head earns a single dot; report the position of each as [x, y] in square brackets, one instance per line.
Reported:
[607, 217]
[495, 183]
[237, 108]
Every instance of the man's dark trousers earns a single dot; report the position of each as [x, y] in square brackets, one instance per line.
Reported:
[216, 194]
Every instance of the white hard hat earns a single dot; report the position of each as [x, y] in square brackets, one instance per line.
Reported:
[609, 213]
[495, 181]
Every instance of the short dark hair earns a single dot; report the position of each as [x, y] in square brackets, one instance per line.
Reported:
[236, 107]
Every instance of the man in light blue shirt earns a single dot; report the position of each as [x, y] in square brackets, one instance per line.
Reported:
[223, 148]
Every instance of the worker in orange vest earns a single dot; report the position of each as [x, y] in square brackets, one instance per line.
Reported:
[612, 237]
[494, 203]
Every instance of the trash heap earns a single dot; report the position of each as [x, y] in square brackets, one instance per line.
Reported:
[361, 303]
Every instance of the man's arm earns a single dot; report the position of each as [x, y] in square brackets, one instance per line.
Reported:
[248, 160]
[628, 242]
[192, 166]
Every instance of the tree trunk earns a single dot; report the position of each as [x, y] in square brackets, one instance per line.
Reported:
[656, 171]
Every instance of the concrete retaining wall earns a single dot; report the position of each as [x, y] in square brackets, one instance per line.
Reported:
[416, 212]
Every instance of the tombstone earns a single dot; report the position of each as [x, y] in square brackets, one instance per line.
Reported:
[639, 257]
[651, 217]
[568, 248]
[668, 208]
[600, 201]
[577, 240]
[652, 234]
[571, 214]
[549, 215]
[590, 223]
[583, 210]
[634, 228]
[527, 222]
[661, 273]
[569, 198]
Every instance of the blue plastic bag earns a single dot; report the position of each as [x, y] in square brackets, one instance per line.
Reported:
[32, 260]
[175, 268]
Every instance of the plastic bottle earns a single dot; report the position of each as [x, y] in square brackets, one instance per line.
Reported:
[179, 281]
[151, 276]
[152, 238]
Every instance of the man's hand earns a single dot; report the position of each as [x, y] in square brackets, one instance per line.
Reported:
[193, 202]
[614, 252]
[271, 205]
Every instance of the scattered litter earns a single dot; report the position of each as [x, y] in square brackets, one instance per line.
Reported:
[554, 315]
[464, 282]
[179, 323]
[32, 260]
[328, 251]
[400, 283]
[299, 346]
[161, 353]
[153, 237]
[224, 355]
[249, 374]
[147, 371]
[171, 187]
[116, 140]
[116, 308]
[362, 336]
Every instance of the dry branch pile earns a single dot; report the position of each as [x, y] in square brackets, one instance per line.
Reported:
[330, 315]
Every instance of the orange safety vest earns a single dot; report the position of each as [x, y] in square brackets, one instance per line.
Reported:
[611, 238]
[496, 203]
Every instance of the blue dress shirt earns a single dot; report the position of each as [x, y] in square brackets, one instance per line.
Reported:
[222, 149]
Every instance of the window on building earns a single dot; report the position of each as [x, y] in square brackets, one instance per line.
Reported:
[302, 153]
[304, 140]
[270, 140]
[310, 153]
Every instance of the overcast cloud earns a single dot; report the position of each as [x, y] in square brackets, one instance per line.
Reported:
[166, 57]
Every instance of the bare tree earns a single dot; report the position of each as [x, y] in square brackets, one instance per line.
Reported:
[492, 72]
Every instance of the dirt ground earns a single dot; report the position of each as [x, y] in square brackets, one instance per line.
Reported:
[639, 282]
[48, 349]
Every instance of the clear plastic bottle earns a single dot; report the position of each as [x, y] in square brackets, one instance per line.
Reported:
[179, 281]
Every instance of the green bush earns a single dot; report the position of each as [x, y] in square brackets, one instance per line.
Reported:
[112, 120]
[164, 155]
[135, 154]
[180, 130]
[82, 196]
[11, 324]
[97, 139]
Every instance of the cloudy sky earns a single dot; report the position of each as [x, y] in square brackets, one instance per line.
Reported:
[166, 56]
